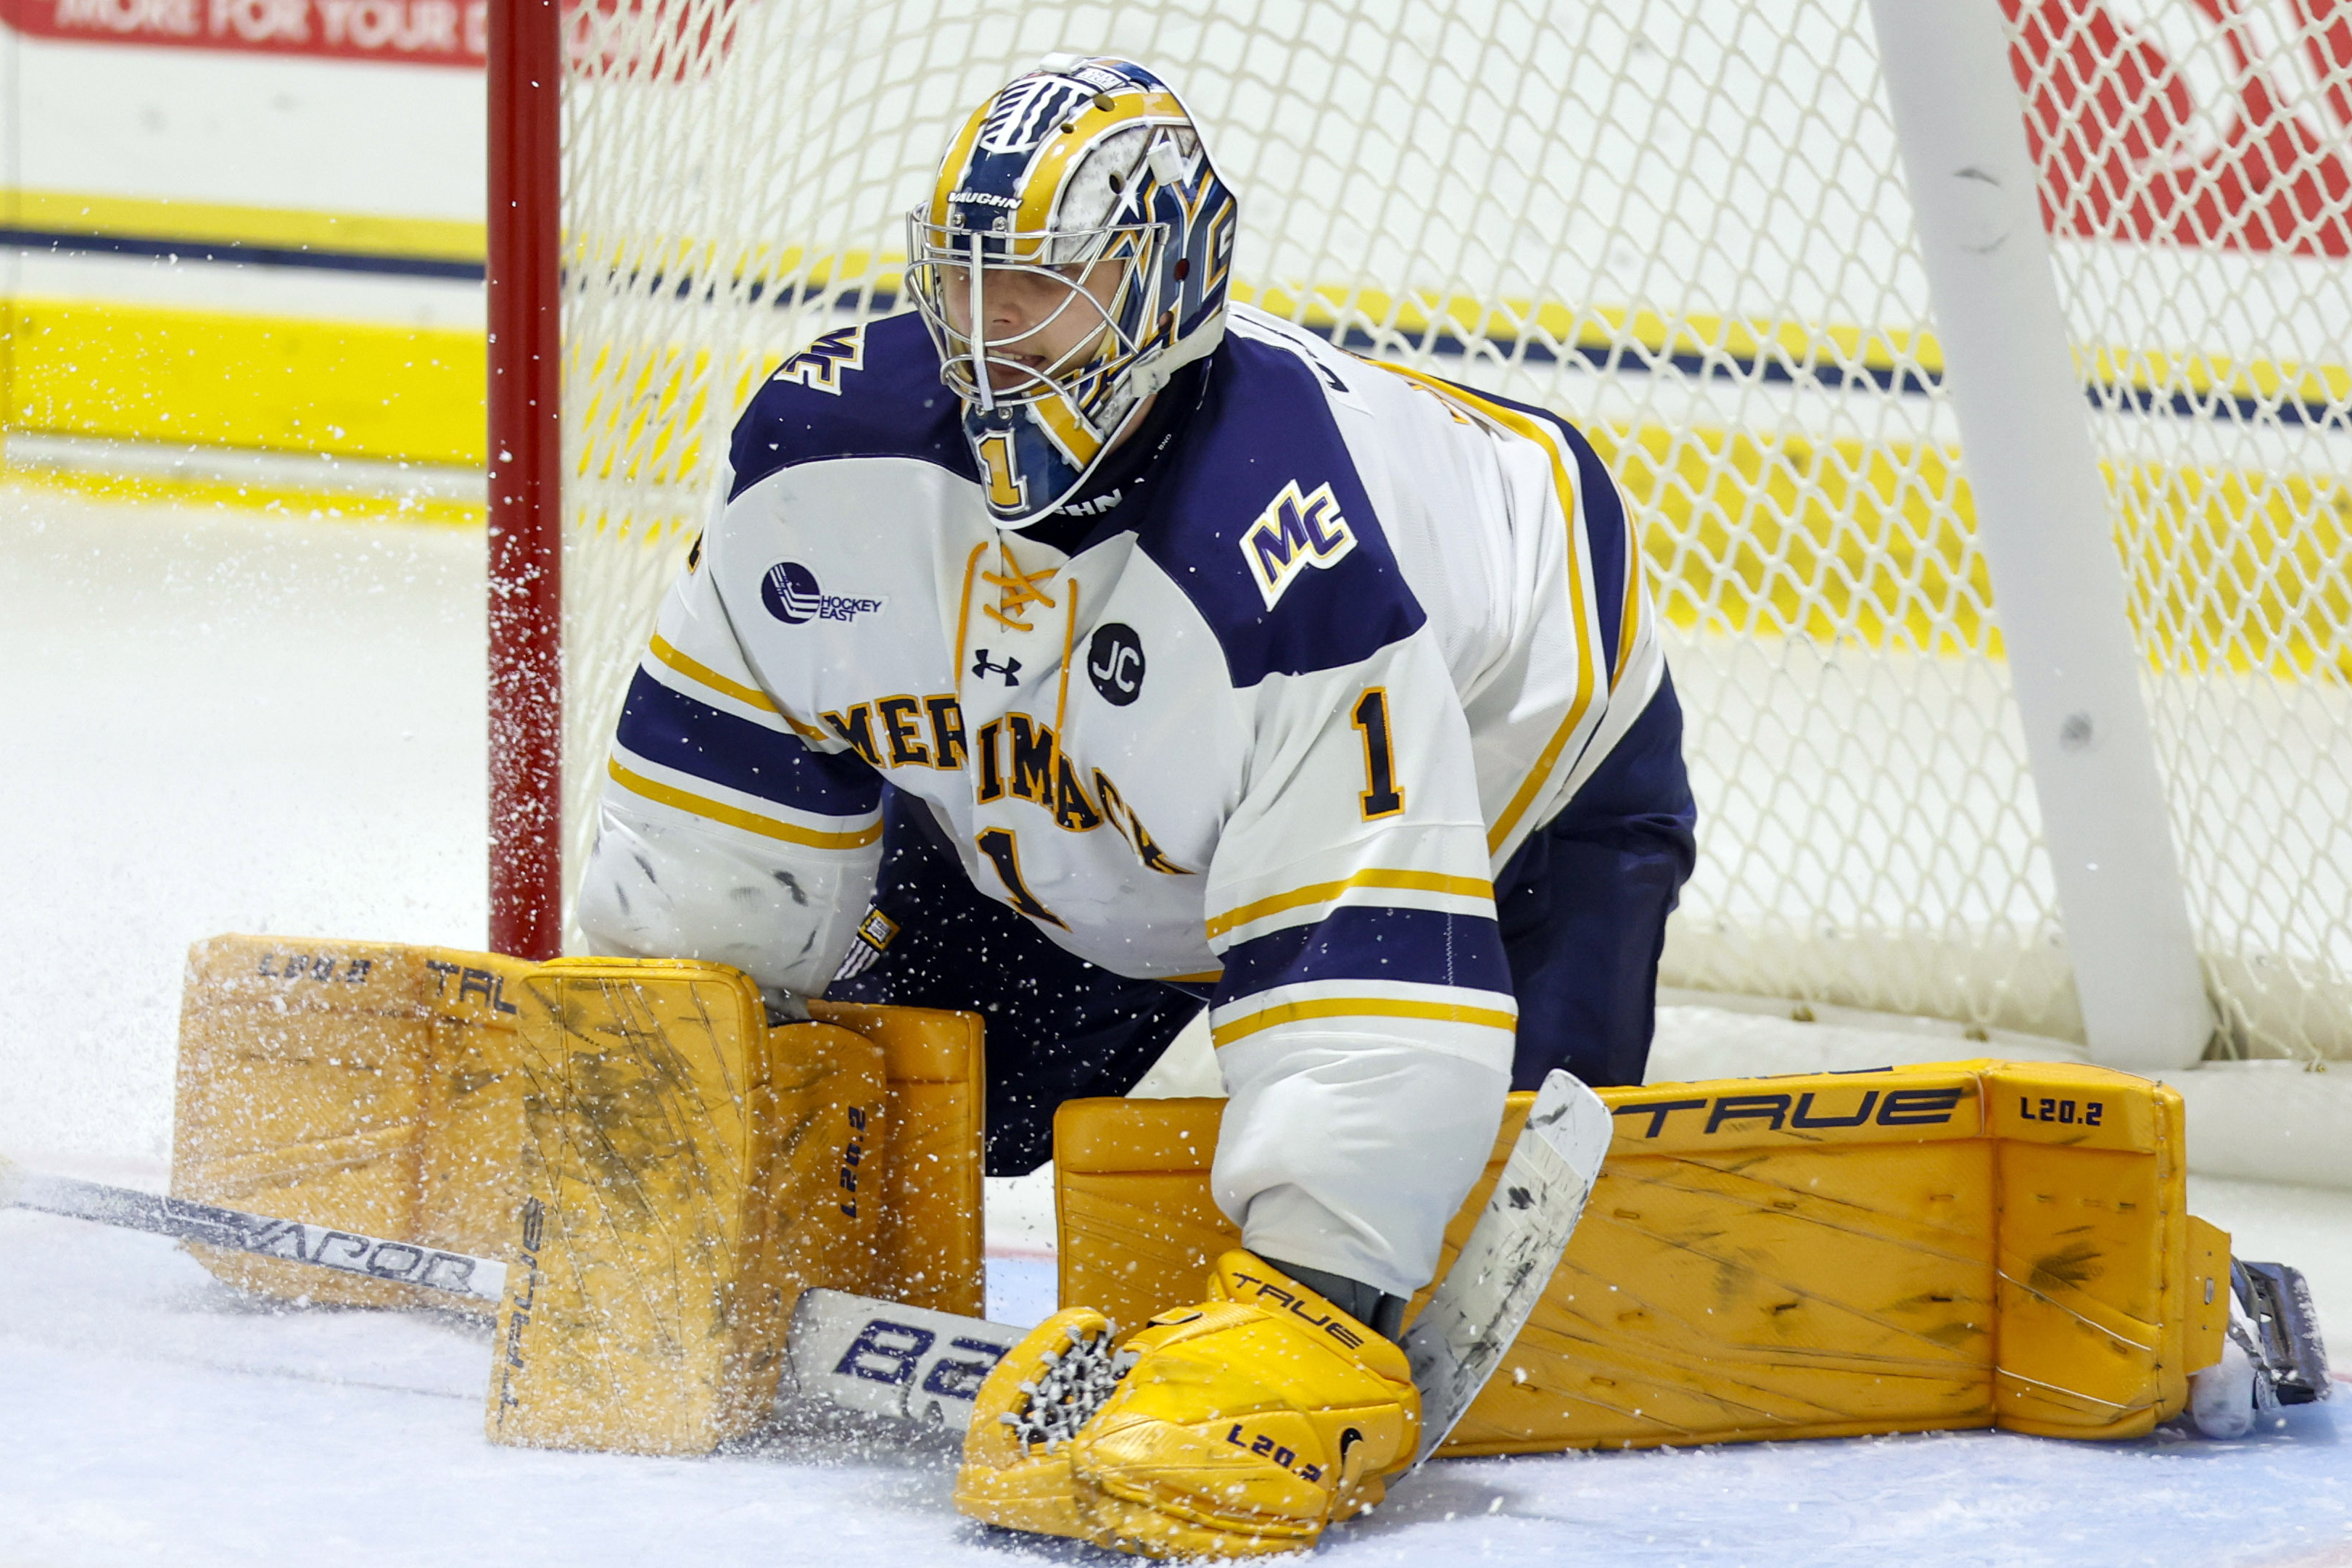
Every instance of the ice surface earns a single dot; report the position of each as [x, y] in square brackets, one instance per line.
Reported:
[218, 721]
[215, 722]
[154, 1416]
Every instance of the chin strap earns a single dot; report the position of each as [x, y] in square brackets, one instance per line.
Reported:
[1368, 1304]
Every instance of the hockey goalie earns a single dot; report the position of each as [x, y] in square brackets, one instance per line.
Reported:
[1085, 649]
[1074, 654]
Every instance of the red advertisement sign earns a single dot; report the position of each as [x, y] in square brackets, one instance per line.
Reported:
[2215, 124]
[423, 32]
[600, 35]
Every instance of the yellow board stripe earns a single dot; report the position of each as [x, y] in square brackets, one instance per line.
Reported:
[733, 816]
[270, 228]
[1574, 330]
[1747, 535]
[1379, 876]
[1360, 1007]
[1325, 306]
[1874, 545]
[149, 373]
[289, 499]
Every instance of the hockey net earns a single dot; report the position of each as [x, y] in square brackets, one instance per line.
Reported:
[1684, 225]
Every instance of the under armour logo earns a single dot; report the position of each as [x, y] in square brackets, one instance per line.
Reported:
[982, 669]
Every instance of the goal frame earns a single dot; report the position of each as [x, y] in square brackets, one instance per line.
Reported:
[525, 472]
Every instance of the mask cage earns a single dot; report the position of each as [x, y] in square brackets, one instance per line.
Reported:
[953, 265]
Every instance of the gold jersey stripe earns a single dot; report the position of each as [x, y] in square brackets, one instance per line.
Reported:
[1533, 429]
[751, 696]
[735, 816]
[1361, 1007]
[1069, 642]
[1629, 623]
[695, 669]
[1377, 877]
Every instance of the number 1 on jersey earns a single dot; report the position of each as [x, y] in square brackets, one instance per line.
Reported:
[1380, 797]
[996, 456]
[1004, 854]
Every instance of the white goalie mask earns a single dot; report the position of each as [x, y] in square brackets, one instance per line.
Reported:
[1072, 257]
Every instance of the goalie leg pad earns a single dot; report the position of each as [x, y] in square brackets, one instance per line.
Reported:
[354, 1085]
[643, 1310]
[829, 1129]
[1962, 1244]
[371, 1086]
[928, 1248]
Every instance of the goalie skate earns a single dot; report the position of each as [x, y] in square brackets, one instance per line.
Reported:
[2280, 1333]
[2273, 1354]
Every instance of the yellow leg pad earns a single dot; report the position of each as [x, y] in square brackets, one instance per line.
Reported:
[641, 1312]
[369, 1085]
[352, 1084]
[1138, 1231]
[1960, 1244]
[830, 1127]
[929, 1245]
[2092, 1257]
[2208, 1295]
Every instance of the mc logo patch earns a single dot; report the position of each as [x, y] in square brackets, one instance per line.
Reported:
[1294, 532]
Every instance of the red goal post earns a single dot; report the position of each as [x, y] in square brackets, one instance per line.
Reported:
[1685, 224]
[525, 479]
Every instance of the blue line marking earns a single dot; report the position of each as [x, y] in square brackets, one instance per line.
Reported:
[236, 251]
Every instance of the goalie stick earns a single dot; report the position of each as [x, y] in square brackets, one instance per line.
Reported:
[926, 1366]
[401, 1262]
[879, 1358]
[1458, 1340]
[912, 1364]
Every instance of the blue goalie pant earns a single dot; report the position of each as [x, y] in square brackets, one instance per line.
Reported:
[1582, 906]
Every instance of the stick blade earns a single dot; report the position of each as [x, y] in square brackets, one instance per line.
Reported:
[883, 1358]
[1507, 1263]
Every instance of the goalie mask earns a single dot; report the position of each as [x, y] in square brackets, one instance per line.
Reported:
[1072, 257]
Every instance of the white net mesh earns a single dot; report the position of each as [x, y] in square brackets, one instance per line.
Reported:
[2198, 179]
[1682, 224]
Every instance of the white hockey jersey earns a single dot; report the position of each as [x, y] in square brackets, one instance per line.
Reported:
[1274, 727]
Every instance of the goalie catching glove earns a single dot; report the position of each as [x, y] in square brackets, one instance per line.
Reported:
[1238, 1427]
